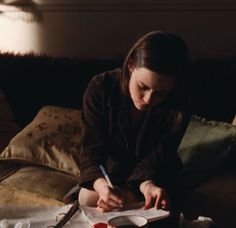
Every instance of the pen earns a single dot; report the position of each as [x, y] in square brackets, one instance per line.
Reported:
[106, 176]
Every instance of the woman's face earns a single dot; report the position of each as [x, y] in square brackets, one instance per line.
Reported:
[148, 88]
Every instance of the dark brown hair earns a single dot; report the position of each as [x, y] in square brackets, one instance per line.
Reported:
[166, 54]
[158, 51]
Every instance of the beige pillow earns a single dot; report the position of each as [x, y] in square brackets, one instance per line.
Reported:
[37, 181]
[51, 139]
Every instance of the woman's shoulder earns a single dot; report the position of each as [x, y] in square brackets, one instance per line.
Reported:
[102, 85]
[106, 78]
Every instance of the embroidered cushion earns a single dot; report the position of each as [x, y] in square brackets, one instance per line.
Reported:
[35, 185]
[51, 139]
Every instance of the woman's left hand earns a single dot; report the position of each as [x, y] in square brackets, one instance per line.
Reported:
[154, 196]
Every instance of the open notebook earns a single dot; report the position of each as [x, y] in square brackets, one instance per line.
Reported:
[94, 216]
[38, 217]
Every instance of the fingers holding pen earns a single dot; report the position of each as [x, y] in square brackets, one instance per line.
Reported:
[117, 195]
[112, 198]
[103, 206]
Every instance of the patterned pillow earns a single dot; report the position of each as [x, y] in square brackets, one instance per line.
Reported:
[206, 145]
[51, 140]
[45, 187]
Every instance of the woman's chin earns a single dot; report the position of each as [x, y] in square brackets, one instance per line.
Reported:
[141, 107]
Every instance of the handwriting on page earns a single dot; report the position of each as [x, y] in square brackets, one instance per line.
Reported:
[94, 216]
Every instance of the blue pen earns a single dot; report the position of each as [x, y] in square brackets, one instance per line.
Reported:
[106, 176]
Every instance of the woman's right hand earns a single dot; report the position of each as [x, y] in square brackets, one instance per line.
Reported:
[109, 198]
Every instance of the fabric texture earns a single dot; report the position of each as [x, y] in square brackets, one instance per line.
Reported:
[7, 169]
[15, 197]
[37, 182]
[8, 127]
[51, 139]
[206, 145]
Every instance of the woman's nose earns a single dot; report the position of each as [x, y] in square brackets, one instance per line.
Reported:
[147, 97]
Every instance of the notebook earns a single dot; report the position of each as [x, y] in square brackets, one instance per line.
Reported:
[94, 216]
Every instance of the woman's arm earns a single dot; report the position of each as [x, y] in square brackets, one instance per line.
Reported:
[95, 143]
[94, 137]
[163, 164]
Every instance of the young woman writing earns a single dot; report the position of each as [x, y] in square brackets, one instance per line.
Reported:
[133, 120]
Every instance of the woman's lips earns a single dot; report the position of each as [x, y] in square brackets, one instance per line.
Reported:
[142, 106]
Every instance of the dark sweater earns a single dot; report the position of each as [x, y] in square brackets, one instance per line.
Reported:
[130, 156]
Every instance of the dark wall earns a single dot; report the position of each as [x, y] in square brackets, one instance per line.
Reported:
[30, 82]
[213, 88]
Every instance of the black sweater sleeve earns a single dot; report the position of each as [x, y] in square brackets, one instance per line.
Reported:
[163, 164]
[94, 134]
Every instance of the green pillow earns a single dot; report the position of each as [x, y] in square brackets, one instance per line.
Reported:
[205, 146]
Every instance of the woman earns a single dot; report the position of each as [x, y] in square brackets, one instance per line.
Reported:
[133, 120]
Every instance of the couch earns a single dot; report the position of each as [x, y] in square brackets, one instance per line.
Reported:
[40, 102]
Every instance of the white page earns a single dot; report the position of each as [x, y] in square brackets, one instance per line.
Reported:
[94, 216]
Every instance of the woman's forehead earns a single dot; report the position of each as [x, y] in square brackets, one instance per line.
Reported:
[154, 80]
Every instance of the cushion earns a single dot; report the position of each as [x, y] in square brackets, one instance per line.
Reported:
[205, 147]
[38, 183]
[51, 139]
[7, 169]
[15, 197]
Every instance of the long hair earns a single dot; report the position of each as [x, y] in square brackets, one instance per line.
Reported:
[166, 54]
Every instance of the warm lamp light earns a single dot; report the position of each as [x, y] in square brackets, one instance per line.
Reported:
[25, 10]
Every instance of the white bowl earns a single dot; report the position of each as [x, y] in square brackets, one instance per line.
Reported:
[127, 221]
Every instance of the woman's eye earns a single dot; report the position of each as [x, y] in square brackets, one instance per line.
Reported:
[143, 87]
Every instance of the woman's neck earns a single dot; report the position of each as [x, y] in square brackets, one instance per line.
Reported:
[136, 116]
